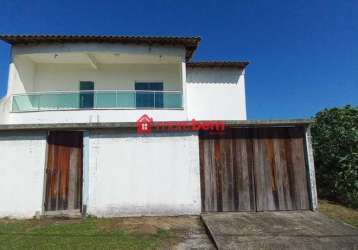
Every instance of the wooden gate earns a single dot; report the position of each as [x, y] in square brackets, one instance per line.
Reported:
[64, 171]
[254, 169]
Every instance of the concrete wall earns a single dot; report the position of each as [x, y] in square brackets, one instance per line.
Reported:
[208, 93]
[216, 94]
[162, 64]
[143, 175]
[66, 77]
[128, 174]
[21, 75]
[21, 80]
[5, 107]
[36, 68]
[92, 47]
[22, 165]
[93, 116]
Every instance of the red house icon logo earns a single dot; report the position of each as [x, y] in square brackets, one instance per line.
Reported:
[144, 124]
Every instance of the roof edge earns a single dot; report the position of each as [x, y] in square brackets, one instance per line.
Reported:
[114, 125]
[218, 64]
[189, 42]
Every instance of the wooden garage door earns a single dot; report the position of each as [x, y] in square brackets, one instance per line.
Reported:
[64, 171]
[253, 169]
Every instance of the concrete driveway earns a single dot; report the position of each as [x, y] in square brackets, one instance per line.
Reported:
[279, 230]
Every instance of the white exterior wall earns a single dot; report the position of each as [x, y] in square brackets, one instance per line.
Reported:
[21, 75]
[67, 77]
[22, 165]
[86, 116]
[20, 80]
[132, 175]
[140, 63]
[208, 93]
[45, 67]
[93, 116]
[92, 47]
[216, 94]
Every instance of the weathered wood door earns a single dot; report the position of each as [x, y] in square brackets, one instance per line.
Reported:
[254, 169]
[64, 171]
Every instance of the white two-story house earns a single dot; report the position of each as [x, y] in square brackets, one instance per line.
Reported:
[117, 79]
[69, 141]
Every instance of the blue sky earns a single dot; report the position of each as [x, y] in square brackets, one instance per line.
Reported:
[303, 54]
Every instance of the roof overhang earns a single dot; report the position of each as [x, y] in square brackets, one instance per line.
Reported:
[190, 43]
[116, 125]
[218, 64]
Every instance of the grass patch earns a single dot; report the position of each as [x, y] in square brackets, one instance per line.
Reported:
[339, 212]
[80, 234]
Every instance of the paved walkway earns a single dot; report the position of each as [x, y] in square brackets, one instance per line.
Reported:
[279, 230]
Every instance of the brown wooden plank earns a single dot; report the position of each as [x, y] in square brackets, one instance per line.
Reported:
[219, 175]
[248, 169]
[290, 170]
[75, 158]
[203, 181]
[242, 164]
[64, 171]
[212, 175]
[271, 173]
[227, 172]
[236, 150]
[80, 175]
[283, 187]
[299, 169]
[259, 172]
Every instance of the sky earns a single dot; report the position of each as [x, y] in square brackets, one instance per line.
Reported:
[303, 54]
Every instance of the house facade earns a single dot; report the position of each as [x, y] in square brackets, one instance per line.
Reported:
[123, 125]
[47, 74]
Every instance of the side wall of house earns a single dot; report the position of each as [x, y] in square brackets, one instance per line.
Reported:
[18, 82]
[22, 165]
[216, 94]
[132, 175]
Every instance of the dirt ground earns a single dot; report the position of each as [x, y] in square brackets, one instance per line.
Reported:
[189, 231]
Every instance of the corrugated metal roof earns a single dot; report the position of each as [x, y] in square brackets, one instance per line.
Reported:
[218, 64]
[190, 43]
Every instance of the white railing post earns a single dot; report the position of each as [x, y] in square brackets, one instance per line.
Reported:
[38, 103]
[154, 99]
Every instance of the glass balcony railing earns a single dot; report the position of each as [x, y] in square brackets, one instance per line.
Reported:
[97, 99]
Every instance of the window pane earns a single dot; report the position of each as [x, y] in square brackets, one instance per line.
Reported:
[149, 99]
[105, 99]
[144, 99]
[172, 100]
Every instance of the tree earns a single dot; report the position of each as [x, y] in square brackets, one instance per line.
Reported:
[335, 144]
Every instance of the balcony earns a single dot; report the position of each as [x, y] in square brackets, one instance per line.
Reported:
[97, 99]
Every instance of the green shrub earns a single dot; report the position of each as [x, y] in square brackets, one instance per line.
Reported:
[335, 144]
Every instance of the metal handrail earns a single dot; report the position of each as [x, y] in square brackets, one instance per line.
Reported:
[94, 91]
[173, 100]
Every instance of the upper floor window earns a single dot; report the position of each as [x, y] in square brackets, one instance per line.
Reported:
[86, 97]
[146, 97]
